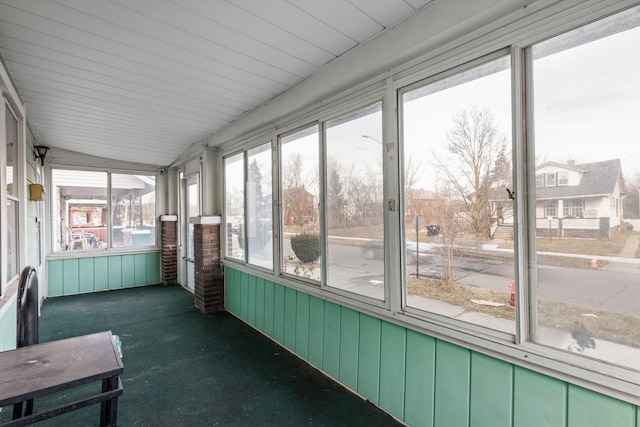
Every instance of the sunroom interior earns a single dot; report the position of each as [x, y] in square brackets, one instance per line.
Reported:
[359, 182]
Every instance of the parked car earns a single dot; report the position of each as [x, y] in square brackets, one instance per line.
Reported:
[433, 230]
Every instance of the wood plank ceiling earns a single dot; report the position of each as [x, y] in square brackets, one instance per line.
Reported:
[142, 80]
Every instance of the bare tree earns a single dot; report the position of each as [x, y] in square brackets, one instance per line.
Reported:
[336, 201]
[471, 167]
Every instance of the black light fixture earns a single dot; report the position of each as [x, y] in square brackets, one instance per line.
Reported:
[41, 152]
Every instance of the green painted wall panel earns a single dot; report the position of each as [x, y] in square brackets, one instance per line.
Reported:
[420, 379]
[86, 275]
[251, 305]
[392, 368]
[237, 292]
[369, 358]
[316, 330]
[8, 321]
[417, 378]
[278, 313]
[452, 385]
[244, 296]
[128, 271]
[101, 273]
[54, 278]
[491, 392]
[140, 269]
[269, 307]
[590, 409]
[115, 272]
[260, 304]
[153, 268]
[302, 325]
[349, 338]
[70, 278]
[229, 286]
[83, 275]
[290, 301]
[538, 400]
[331, 341]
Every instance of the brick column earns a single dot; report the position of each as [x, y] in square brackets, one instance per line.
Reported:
[209, 274]
[169, 254]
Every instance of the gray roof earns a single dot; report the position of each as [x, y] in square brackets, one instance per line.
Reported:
[598, 179]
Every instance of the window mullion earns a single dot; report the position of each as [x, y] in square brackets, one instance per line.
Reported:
[520, 182]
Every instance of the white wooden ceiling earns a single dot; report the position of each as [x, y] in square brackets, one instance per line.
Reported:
[142, 80]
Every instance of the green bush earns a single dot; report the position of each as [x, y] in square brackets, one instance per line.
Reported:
[306, 247]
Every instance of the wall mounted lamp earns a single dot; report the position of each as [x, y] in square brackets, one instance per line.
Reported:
[40, 153]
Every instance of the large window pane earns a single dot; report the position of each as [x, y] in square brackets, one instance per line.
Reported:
[79, 209]
[11, 150]
[457, 212]
[586, 102]
[300, 192]
[354, 199]
[133, 204]
[259, 206]
[234, 205]
[12, 239]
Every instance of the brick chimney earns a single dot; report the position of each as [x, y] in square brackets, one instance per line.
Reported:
[209, 273]
[571, 162]
[169, 254]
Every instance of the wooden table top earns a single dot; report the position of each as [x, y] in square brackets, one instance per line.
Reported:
[37, 370]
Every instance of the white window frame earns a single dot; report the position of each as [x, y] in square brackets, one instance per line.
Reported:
[61, 254]
[615, 381]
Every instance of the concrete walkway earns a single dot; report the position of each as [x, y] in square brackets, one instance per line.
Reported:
[631, 247]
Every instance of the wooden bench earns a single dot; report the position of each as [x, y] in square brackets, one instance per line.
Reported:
[38, 370]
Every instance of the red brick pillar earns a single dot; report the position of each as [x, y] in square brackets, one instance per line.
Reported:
[169, 254]
[209, 274]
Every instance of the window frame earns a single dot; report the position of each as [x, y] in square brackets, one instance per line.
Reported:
[616, 381]
[109, 248]
[253, 143]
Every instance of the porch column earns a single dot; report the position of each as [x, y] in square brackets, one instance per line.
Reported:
[209, 274]
[169, 254]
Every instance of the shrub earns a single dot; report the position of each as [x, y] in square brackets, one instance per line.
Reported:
[306, 247]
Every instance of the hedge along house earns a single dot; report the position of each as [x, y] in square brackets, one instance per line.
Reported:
[215, 111]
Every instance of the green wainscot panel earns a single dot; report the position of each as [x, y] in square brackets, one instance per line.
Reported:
[420, 379]
[251, 301]
[369, 358]
[538, 400]
[392, 368]
[86, 275]
[331, 341]
[349, 332]
[290, 299]
[244, 296]
[8, 330]
[491, 392]
[128, 270]
[101, 273]
[54, 278]
[229, 282]
[140, 269]
[302, 325]
[153, 268]
[269, 307]
[316, 331]
[70, 277]
[115, 272]
[260, 304]
[591, 409]
[452, 385]
[278, 313]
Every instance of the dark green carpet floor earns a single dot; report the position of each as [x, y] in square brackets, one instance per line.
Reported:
[185, 368]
